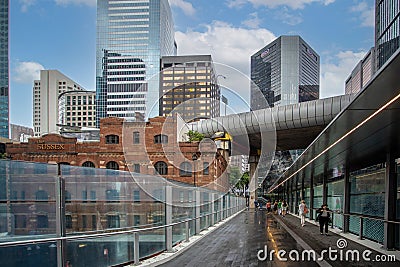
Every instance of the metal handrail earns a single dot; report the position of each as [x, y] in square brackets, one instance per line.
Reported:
[358, 215]
[107, 234]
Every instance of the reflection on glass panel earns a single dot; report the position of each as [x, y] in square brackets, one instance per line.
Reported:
[367, 191]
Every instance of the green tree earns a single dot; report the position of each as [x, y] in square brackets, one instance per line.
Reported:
[234, 175]
[195, 136]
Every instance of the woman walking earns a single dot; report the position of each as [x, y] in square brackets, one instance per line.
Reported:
[303, 210]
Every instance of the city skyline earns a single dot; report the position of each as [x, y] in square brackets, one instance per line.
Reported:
[44, 35]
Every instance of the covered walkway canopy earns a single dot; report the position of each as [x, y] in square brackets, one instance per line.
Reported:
[296, 125]
[361, 135]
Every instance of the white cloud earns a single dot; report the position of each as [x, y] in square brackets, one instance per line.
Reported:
[334, 74]
[76, 2]
[253, 22]
[27, 72]
[227, 44]
[25, 4]
[286, 17]
[236, 3]
[186, 7]
[294, 4]
[366, 14]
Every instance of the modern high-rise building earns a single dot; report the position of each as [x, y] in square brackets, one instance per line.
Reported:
[46, 91]
[188, 85]
[362, 73]
[77, 108]
[286, 71]
[4, 70]
[387, 33]
[131, 38]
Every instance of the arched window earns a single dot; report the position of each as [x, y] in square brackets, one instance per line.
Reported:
[136, 138]
[112, 165]
[185, 169]
[88, 164]
[112, 139]
[161, 139]
[161, 168]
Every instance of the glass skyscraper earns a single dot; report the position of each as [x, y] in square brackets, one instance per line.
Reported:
[387, 29]
[132, 36]
[4, 99]
[286, 71]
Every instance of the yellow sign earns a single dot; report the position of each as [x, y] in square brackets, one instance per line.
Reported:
[50, 147]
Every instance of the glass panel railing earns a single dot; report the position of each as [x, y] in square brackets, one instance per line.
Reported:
[27, 200]
[103, 209]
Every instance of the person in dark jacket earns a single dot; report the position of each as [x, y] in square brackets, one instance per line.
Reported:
[323, 216]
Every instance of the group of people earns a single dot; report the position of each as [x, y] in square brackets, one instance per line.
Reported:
[323, 216]
[280, 207]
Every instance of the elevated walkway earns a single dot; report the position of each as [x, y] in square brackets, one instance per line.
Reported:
[243, 240]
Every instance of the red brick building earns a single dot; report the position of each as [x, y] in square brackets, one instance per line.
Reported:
[151, 147]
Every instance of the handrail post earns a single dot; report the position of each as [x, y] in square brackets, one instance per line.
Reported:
[136, 248]
[60, 218]
[212, 208]
[220, 201]
[168, 218]
[197, 211]
[360, 236]
[187, 230]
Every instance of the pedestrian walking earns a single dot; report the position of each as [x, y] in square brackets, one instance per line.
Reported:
[275, 208]
[280, 207]
[323, 217]
[268, 206]
[303, 210]
[285, 207]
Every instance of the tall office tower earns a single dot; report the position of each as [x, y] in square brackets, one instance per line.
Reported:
[387, 21]
[286, 71]
[77, 108]
[4, 98]
[131, 38]
[188, 85]
[46, 91]
[362, 73]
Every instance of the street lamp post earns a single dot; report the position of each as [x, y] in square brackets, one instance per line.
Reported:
[194, 158]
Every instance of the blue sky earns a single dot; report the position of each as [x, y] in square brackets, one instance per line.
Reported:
[61, 34]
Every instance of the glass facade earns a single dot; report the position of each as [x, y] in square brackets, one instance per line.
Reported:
[131, 38]
[387, 32]
[286, 71]
[4, 66]
[189, 87]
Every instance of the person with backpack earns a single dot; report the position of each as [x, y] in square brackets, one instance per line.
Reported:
[303, 210]
[268, 206]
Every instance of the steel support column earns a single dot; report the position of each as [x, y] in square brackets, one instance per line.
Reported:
[390, 202]
[346, 200]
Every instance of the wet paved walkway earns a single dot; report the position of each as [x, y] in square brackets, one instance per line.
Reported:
[237, 243]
